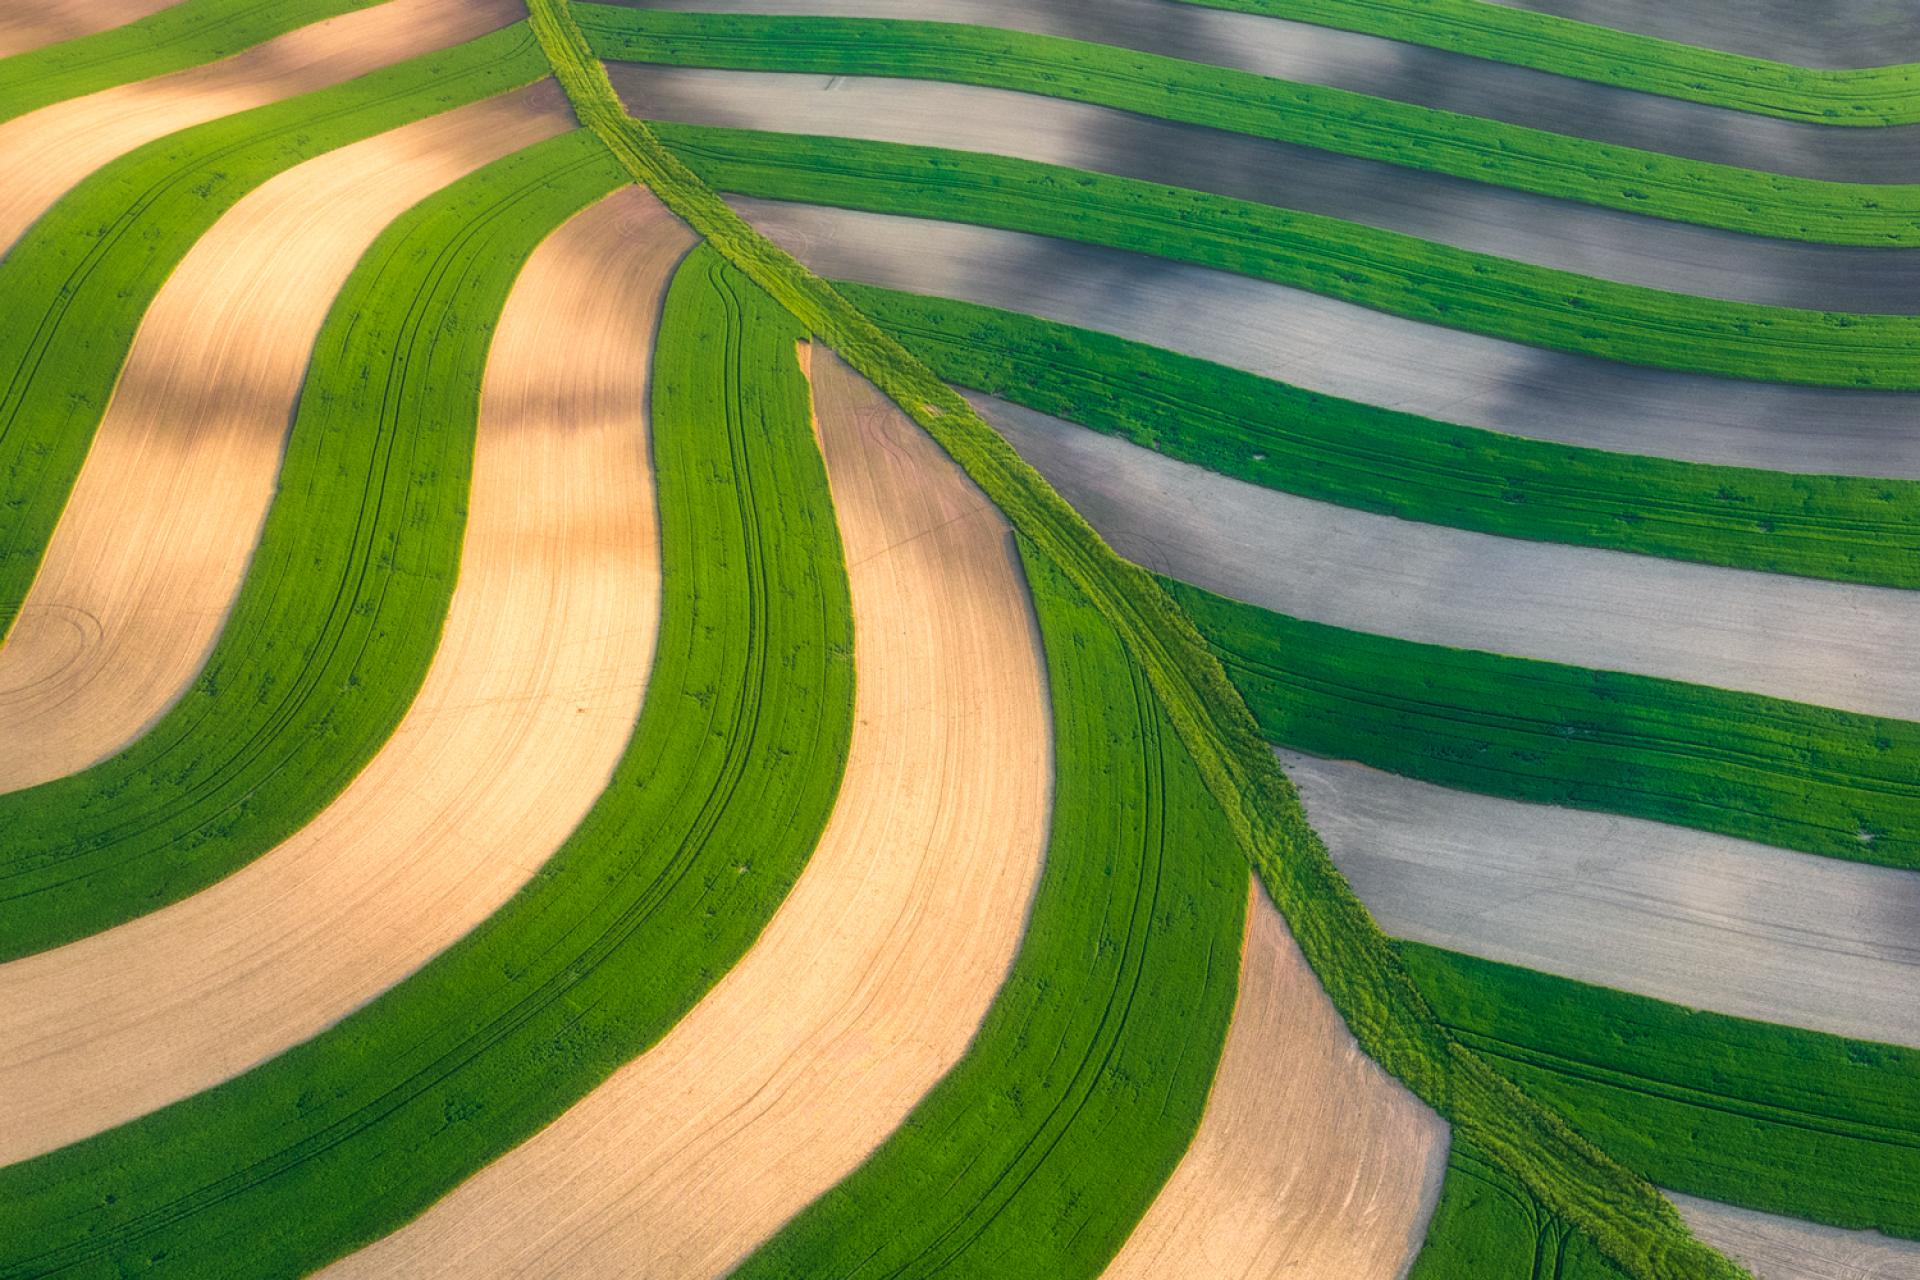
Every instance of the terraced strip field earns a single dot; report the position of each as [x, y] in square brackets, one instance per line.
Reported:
[709, 819]
[341, 611]
[84, 276]
[1311, 1161]
[1359, 455]
[1463, 146]
[875, 973]
[1039, 1149]
[45, 153]
[153, 544]
[516, 729]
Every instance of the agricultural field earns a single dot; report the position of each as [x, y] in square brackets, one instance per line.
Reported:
[847, 638]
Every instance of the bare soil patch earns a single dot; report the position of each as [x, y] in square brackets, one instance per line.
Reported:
[1776, 1248]
[29, 25]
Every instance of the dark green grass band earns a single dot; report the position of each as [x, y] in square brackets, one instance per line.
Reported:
[185, 34]
[1784, 773]
[78, 282]
[1383, 270]
[1326, 119]
[1038, 1152]
[1399, 464]
[1489, 1226]
[709, 818]
[341, 610]
[1621, 1212]
[1748, 1113]
[1884, 95]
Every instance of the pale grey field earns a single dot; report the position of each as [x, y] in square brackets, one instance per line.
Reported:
[1777, 1248]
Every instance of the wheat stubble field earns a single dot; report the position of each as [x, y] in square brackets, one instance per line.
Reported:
[825, 638]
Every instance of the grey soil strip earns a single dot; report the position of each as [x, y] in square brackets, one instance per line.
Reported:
[1345, 350]
[1426, 77]
[1810, 33]
[1777, 1248]
[1470, 215]
[1702, 920]
[1830, 643]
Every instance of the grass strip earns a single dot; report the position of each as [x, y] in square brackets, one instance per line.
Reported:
[1336, 120]
[185, 34]
[79, 281]
[341, 611]
[1785, 773]
[708, 820]
[1884, 95]
[1625, 1216]
[1749, 1113]
[1383, 270]
[1489, 1226]
[1038, 1152]
[1357, 455]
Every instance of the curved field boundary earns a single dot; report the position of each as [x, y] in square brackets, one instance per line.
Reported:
[79, 282]
[1357, 455]
[1747, 1113]
[1038, 1152]
[25, 28]
[709, 819]
[1779, 1246]
[1883, 95]
[1383, 270]
[1783, 773]
[342, 608]
[186, 33]
[1337, 120]
[1622, 1213]
[1311, 1161]
[530, 700]
[1490, 1226]
[152, 547]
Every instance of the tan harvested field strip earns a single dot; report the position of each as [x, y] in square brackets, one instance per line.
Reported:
[153, 545]
[530, 700]
[45, 152]
[1348, 351]
[1776, 1248]
[1829, 643]
[1547, 232]
[1701, 920]
[29, 24]
[1423, 76]
[873, 976]
[1311, 1160]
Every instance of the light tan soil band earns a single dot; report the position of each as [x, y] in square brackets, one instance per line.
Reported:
[30, 24]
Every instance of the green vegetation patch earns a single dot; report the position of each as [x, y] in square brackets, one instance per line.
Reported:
[1364, 976]
[1039, 1151]
[1785, 773]
[1399, 464]
[78, 282]
[184, 34]
[1327, 119]
[341, 611]
[1489, 1226]
[1563, 46]
[709, 819]
[1769, 1117]
[1383, 270]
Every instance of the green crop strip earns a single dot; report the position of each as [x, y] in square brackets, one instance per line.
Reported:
[1383, 270]
[78, 282]
[1749, 1113]
[1546, 42]
[1039, 1151]
[1621, 1212]
[1336, 120]
[1357, 455]
[183, 35]
[1785, 773]
[709, 819]
[339, 616]
[1488, 1226]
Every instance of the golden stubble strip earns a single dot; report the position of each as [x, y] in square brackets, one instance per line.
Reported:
[44, 153]
[29, 24]
[152, 546]
[873, 975]
[531, 698]
[1310, 1161]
